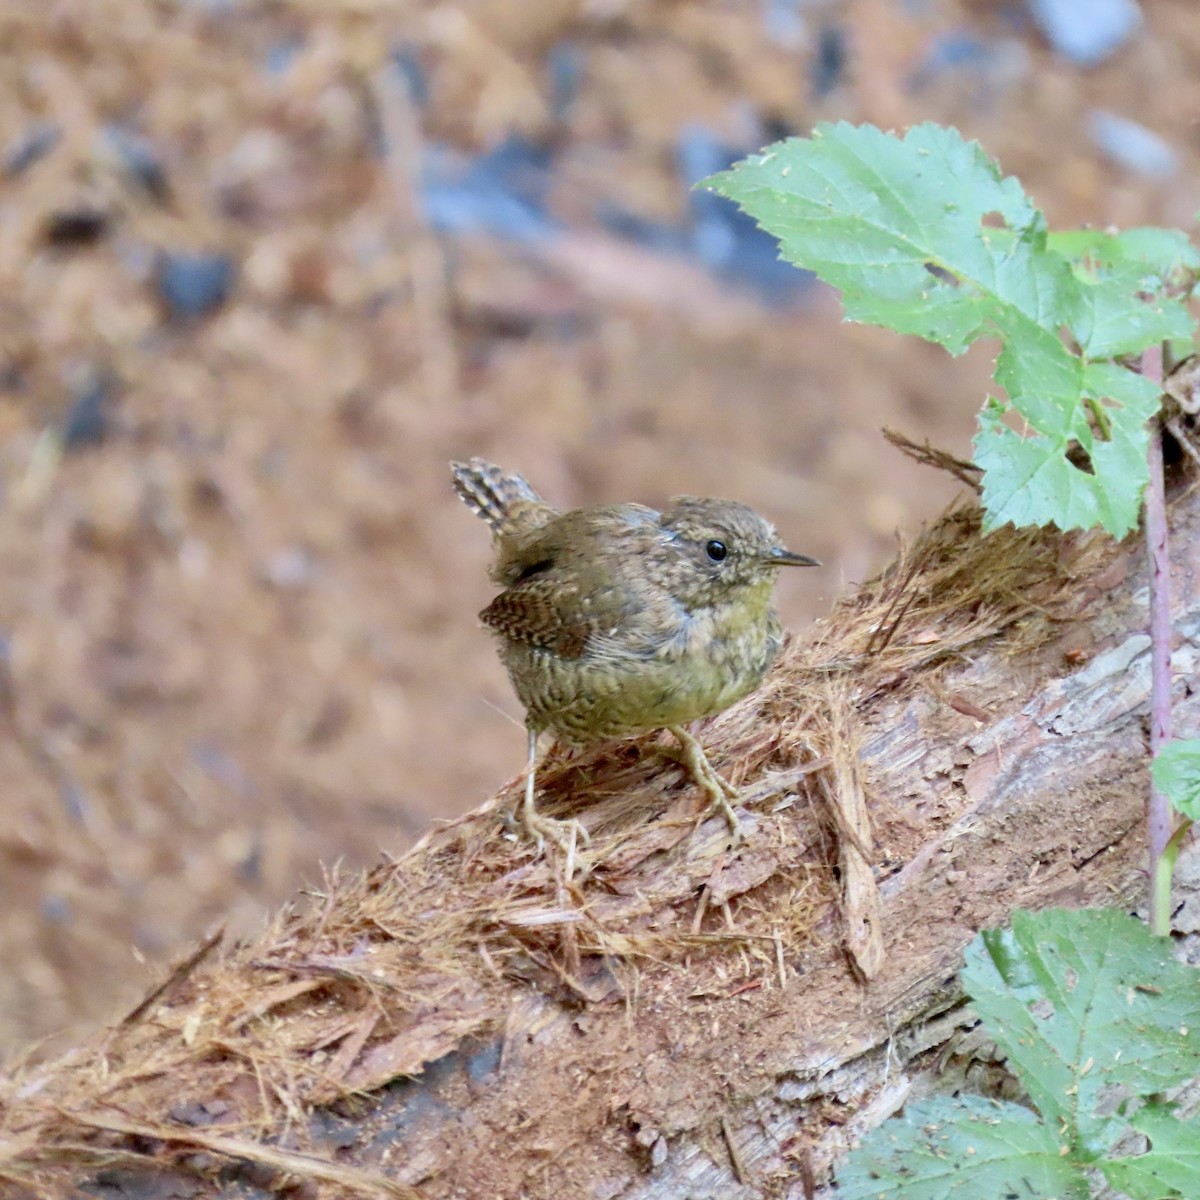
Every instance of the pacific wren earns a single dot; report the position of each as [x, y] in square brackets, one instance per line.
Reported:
[617, 619]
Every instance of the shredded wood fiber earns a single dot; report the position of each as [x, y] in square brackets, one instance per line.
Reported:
[370, 978]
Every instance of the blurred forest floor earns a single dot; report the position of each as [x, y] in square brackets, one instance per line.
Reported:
[264, 269]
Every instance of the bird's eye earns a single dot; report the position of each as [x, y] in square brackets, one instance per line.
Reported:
[716, 550]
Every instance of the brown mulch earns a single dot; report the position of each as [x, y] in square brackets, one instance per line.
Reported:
[236, 634]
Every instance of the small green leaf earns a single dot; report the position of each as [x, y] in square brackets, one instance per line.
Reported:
[1096, 1018]
[1109, 325]
[1176, 772]
[1126, 389]
[1163, 252]
[1169, 1167]
[944, 1149]
[1083, 1003]
[1030, 480]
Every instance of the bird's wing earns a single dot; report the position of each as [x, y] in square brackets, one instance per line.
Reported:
[576, 581]
[541, 612]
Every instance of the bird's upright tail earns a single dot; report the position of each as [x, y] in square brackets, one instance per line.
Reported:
[491, 491]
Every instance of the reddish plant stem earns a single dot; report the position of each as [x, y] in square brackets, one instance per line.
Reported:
[1159, 819]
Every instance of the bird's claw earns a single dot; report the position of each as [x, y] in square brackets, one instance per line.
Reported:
[722, 794]
[566, 835]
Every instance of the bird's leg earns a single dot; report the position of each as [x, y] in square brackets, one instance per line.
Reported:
[719, 789]
[564, 834]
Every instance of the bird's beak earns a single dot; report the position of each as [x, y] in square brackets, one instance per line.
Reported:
[779, 557]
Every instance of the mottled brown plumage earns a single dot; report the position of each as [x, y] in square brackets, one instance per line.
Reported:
[618, 619]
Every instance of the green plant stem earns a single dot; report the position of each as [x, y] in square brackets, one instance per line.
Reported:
[1160, 916]
[1103, 424]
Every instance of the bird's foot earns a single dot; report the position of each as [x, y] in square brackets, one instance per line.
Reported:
[721, 792]
[566, 835]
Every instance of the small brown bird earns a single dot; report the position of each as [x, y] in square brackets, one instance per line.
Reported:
[617, 619]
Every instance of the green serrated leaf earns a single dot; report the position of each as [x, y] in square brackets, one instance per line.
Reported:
[898, 226]
[1109, 324]
[1030, 480]
[1176, 772]
[1170, 1165]
[943, 1149]
[924, 235]
[1043, 379]
[1083, 1003]
[1126, 389]
[1096, 1018]
[1164, 252]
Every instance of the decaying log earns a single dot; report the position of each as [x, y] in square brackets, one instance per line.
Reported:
[964, 736]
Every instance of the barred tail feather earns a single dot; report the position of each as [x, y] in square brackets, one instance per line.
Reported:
[489, 491]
